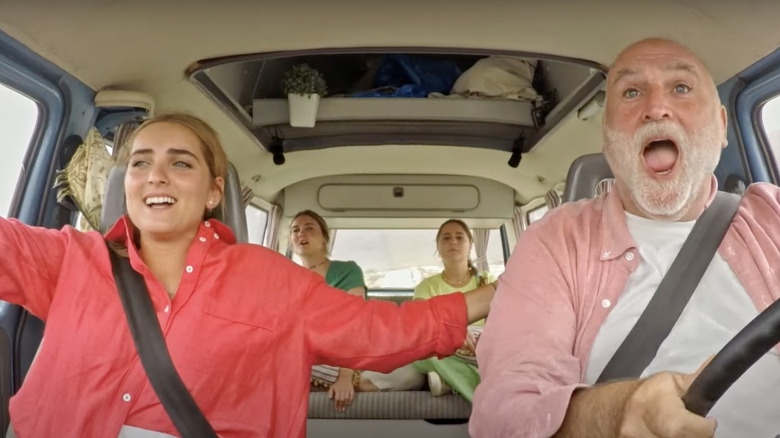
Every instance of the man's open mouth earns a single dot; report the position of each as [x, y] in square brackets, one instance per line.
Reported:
[661, 155]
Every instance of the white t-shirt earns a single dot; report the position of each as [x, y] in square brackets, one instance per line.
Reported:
[718, 309]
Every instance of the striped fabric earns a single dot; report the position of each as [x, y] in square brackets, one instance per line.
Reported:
[137, 432]
[324, 375]
[392, 405]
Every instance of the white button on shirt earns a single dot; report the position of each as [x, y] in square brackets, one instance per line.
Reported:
[189, 269]
[126, 397]
[606, 303]
[202, 239]
[630, 256]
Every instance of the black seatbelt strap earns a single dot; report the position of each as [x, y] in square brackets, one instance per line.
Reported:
[150, 344]
[664, 309]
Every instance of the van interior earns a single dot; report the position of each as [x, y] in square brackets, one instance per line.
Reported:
[432, 112]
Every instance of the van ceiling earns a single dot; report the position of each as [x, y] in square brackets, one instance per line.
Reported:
[148, 46]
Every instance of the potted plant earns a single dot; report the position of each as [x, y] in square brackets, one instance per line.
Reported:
[304, 86]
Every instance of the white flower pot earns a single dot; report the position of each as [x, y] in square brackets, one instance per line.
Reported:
[303, 109]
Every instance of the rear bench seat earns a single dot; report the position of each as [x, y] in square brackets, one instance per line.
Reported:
[392, 405]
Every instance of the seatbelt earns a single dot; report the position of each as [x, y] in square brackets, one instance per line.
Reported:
[150, 344]
[664, 309]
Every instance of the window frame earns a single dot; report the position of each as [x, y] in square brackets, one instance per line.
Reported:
[772, 159]
[65, 107]
[23, 163]
[505, 242]
[531, 211]
[744, 97]
[267, 211]
[49, 106]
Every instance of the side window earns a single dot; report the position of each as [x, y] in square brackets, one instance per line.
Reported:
[537, 213]
[18, 117]
[495, 253]
[770, 121]
[256, 219]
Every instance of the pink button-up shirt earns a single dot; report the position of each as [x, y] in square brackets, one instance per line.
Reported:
[565, 275]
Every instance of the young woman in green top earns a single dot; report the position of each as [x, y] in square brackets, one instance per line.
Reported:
[309, 236]
[453, 243]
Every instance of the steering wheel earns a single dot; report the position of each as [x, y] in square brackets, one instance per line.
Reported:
[739, 354]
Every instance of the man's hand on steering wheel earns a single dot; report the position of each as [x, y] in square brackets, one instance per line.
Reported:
[656, 410]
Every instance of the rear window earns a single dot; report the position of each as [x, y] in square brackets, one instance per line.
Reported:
[400, 259]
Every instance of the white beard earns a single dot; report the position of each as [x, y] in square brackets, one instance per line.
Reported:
[698, 155]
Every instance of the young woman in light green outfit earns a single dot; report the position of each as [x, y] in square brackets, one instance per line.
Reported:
[453, 242]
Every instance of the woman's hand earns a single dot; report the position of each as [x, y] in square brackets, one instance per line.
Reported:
[342, 392]
[478, 302]
[470, 344]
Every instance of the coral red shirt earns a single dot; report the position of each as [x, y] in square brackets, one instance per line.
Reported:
[243, 330]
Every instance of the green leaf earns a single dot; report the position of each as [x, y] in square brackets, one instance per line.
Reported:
[305, 80]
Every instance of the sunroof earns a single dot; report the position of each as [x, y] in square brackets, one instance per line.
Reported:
[487, 99]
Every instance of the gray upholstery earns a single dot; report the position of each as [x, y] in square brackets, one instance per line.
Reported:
[113, 198]
[392, 405]
[230, 211]
[585, 174]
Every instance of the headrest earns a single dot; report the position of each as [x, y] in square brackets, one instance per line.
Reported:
[584, 177]
[230, 211]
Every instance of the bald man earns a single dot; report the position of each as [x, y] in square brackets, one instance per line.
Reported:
[580, 277]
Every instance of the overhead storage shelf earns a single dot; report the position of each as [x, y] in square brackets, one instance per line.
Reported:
[270, 112]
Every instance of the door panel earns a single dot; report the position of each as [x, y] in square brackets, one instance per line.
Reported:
[748, 154]
[65, 108]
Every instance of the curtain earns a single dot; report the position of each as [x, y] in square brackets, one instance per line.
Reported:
[518, 221]
[604, 186]
[271, 239]
[332, 239]
[246, 195]
[481, 236]
[553, 199]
